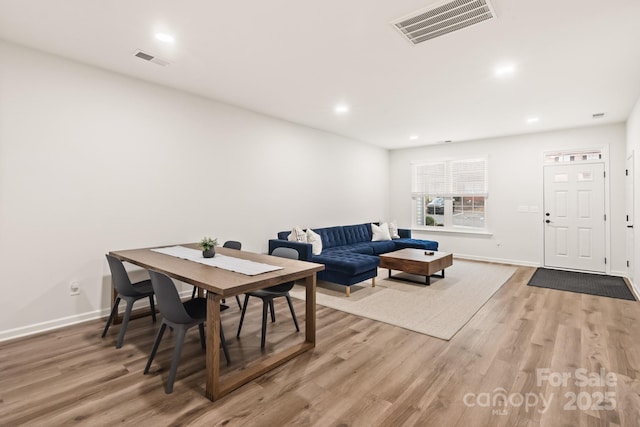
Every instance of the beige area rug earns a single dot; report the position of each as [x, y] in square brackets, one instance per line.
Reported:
[439, 310]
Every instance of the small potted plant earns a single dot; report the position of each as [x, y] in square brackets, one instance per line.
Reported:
[208, 246]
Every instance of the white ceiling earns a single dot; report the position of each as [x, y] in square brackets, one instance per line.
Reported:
[297, 59]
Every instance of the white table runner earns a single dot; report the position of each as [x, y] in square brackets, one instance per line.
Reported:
[238, 265]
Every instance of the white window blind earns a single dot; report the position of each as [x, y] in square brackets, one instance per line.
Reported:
[451, 178]
[468, 177]
[430, 178]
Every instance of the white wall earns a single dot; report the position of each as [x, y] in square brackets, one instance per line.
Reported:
[92, 161]
[515, 179]
[633, 146]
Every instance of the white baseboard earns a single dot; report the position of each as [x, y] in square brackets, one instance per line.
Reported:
[62, 322]
[497, 260]
[49, 325]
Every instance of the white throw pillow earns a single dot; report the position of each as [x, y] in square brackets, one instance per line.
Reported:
[315, 240]
[380, 232]
[393, 230]
[297, 235]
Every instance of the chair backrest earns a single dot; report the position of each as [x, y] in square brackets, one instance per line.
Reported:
[286, 253]
[120, 277]
[232, 244]
[168, 300]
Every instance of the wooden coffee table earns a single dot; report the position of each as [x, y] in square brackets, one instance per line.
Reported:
[415, 261]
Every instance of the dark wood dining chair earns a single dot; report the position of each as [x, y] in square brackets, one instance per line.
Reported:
[180, 317]
[267, 295]
[130, 293]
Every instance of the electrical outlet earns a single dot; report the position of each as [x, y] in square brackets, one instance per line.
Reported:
[74, 288]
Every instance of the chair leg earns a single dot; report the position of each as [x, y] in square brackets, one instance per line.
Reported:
[244, 310]
[202, 339]
[265, 304]
[238, 301]
[114, 310]
[177, 351]
[224, 345]
[193, 294]
[155, 347]
[125, 322]
[222, 341]
[273, 311]
[153, 308]
[293, 313]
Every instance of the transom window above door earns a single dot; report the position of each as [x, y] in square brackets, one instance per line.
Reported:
[570, 156]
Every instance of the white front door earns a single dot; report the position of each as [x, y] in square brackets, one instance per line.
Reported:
[574, 218]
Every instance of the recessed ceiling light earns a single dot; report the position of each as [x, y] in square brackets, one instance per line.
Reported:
[165, 38]
[341, 109]
[533, 119]
[413, 137]
[505, 70]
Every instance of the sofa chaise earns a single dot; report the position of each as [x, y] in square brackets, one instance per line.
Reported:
[348, 252]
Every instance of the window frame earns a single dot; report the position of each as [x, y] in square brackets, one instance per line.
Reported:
[449, 183]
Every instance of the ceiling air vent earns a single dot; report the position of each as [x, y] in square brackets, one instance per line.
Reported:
[148, 57]
[435, 21]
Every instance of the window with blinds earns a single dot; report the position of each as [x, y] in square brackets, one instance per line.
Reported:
[450, 193]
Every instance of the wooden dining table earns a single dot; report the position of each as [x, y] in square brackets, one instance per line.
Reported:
[220, 284]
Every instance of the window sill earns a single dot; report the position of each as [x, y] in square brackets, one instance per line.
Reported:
[453, 230]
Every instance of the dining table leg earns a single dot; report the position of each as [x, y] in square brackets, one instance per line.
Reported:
[213, 346]
[310, 309]
[217, 388]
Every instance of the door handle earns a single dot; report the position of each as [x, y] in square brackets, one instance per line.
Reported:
[629, 226]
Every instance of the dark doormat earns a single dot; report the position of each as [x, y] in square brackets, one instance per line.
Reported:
[585, 283]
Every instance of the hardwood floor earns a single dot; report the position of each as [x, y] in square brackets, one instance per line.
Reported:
[362, 372]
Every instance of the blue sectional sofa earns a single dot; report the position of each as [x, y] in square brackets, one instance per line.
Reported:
[348, 253]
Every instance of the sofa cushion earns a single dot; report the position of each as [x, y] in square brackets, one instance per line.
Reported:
[416, 244]
[347, 262]
[361, 248]
[357, 233]
[382, 247]
[332, 236]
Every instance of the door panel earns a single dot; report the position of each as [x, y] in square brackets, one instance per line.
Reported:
[561, 236]
[574, 216]
[562, 204]
[584, 204]
[584, 242]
